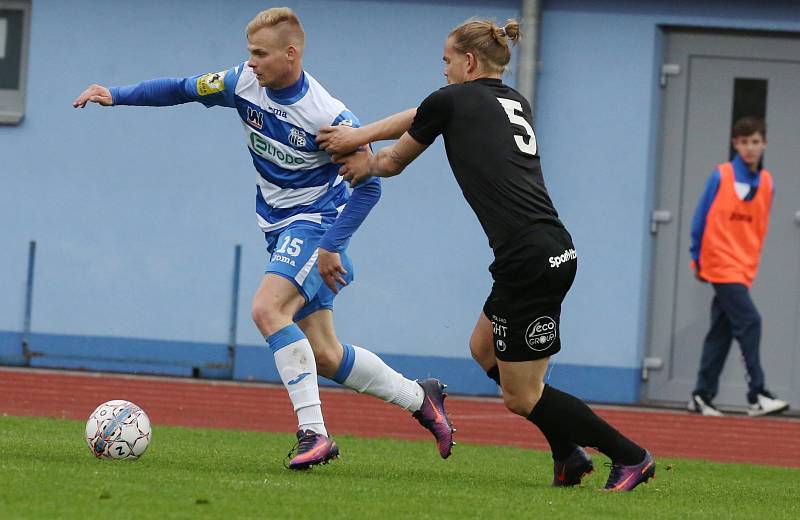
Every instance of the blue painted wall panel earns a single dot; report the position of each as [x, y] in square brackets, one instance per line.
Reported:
[254, 364]
[130, 349]
[104, 365]
[600, 384]
[11, 348]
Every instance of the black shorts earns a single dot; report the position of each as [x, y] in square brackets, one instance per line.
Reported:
[531, 278]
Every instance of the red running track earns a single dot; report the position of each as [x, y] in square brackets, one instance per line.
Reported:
[262, 407]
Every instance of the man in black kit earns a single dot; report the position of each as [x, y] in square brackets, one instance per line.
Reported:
[493, 153]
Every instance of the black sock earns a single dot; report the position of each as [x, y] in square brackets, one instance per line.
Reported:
[494, 374]
[571, 419]
[560, 447]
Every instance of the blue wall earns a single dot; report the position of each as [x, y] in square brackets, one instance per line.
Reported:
[136, 211]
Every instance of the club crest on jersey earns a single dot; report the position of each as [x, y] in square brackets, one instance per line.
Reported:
[211, 83]
[255, 118]
[297, 138]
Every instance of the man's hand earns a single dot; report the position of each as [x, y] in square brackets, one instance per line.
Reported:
[339, 140]
[355, 166]
[331, 269]
[95, 94]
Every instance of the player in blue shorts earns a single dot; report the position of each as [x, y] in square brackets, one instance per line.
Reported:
[307, 215]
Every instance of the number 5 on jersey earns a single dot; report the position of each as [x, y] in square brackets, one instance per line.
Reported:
[512, 107]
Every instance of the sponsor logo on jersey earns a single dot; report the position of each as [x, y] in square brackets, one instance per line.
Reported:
[541, 333]
[297, 137]
[278, 112]
[285, 259]
[255, 118]
[345, 122]
[566, 256]
[211, 83]
[501, 345]
[741, 217]
[265, 149]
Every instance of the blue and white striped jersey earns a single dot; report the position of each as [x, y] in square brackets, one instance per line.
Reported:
[296, 180]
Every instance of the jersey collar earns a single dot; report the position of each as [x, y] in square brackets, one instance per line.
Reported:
[291, 94]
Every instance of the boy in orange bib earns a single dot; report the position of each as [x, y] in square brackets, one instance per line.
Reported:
[728, 232]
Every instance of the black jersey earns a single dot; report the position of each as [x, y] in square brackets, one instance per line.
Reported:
[492, 150]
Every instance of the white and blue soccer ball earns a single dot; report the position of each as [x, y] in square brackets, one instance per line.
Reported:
[118, 430]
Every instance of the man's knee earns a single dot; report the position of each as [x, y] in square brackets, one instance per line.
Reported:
[756, 319]
[475, 349]
[275, 303]
[482, 351]
[756, 324]
[267, 317]
[523, 401]
[259, 313]
[750, 324]
[518, 404]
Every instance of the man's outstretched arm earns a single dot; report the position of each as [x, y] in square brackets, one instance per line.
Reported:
[211, 89]
[153, 92]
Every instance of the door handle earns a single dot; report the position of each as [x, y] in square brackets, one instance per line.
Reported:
[661, 216]
[797, 217]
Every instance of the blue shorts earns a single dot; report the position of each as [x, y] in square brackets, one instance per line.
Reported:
[293, 255]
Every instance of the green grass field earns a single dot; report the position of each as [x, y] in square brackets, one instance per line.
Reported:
[46, 471]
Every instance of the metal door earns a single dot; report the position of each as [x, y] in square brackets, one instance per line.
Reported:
[701, 79]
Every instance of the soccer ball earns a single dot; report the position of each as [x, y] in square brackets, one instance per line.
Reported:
[118, 430]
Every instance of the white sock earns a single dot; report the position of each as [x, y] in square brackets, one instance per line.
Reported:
[366, 373]
[298, 370]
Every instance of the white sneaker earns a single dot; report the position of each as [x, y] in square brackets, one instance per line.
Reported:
[699, 405]
[767, 404]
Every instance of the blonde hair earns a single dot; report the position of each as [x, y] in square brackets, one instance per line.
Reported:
[279, 17]
[488, 42]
